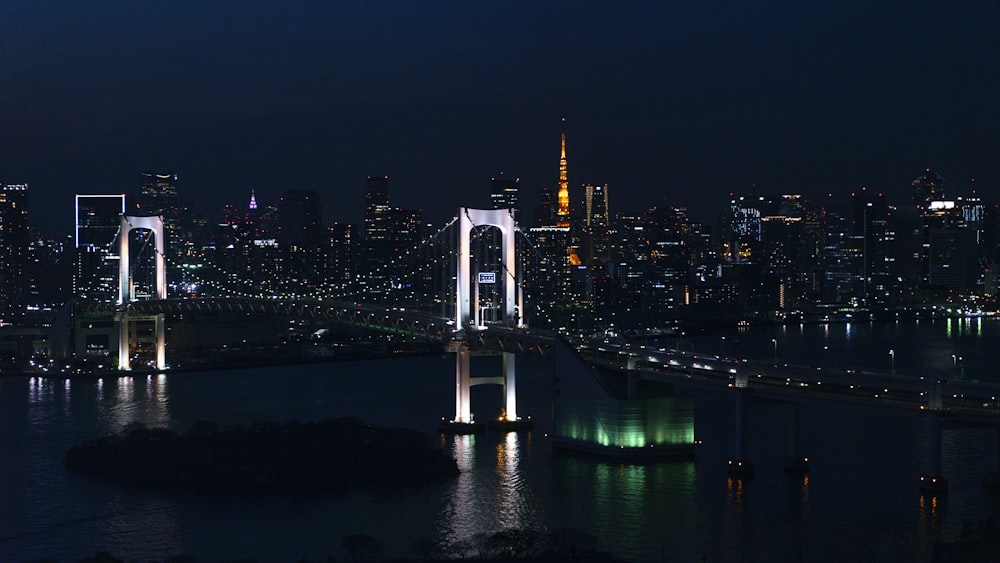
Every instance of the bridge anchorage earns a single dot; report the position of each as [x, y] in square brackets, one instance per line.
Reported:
[470, 320]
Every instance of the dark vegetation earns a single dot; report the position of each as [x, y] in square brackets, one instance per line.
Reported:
[266, 457]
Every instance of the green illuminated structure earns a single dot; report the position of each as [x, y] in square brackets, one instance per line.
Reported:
[596, 410]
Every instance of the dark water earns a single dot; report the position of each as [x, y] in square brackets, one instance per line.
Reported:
[859, 502]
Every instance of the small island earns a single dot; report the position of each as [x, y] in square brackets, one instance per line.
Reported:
[266, 457]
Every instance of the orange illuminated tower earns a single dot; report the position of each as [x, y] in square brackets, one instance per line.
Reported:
[562, 214]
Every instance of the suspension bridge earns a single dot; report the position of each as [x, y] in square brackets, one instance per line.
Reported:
[463, 286]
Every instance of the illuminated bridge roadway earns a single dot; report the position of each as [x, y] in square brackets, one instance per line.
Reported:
[959, 401]
[400, 320]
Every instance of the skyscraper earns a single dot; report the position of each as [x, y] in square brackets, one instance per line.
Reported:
[562, 212]
[157, 193]
[377, 209]
[390, 237]
[13, 246]
[97, 224]
[300, 218]
[504, 194]
[545, 212]
[928, 187]
[871, 214]
[597, 205]
[300, 238]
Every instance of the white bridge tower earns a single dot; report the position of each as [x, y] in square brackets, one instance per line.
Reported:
[467, 308]
[124, 318]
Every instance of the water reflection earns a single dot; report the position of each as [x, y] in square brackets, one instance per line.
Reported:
[492, 497]
[930, 525]
[460, 518]
[510, 503]
[125, 400]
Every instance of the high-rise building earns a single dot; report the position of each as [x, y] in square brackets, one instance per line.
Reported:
[300, 237]
[504, 194]
[597, 205]
[562, 212]
[928, 187]
[13, 246]
[185, 229]
[300, 217]
[340, 255]
[157, 193]
[377, 218]
[741, 229]
[545, 212]
[98, 220]
[871, 216]
[390, 239]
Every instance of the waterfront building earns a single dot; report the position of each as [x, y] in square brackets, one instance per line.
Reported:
[871, 216]
[49, 272]
[13, 246]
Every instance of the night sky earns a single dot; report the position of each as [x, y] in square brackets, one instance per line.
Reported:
[668, 102]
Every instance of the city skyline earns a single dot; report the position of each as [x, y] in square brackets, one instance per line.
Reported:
[664, 104]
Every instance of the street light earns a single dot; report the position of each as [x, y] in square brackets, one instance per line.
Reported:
[775, 342]
[892, 362]
[723, 354]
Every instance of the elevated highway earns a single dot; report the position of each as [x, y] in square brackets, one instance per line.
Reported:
[959, 401]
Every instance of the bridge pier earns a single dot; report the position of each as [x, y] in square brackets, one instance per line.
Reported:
[739, 466]
[931, 480]
[992, 479]
[463, 407]
[126, 328]
[632, 377]
[796, 463]
[510, 387]
[464, 422]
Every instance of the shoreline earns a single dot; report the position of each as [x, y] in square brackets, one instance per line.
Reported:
[223, 366]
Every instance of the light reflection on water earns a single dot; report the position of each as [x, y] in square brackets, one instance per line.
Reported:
[461, 517]
[486, 502]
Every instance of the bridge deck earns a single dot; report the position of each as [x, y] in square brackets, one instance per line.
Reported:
[960, 401]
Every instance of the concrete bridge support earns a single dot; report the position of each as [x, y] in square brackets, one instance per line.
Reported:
[128, 333]
[931, 480]
[795, 462]
[463, 407]
[992, 479]
[464, 423]
[510, 387]
[739, 466]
